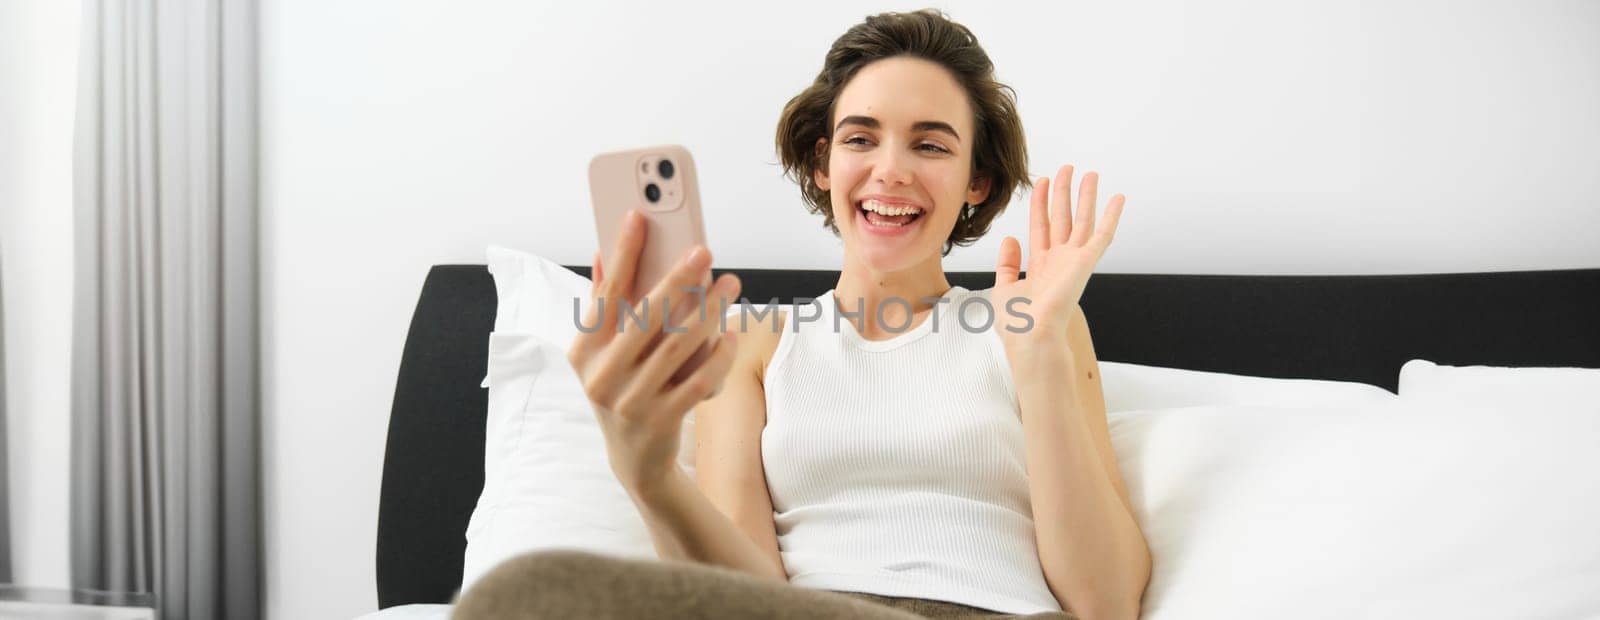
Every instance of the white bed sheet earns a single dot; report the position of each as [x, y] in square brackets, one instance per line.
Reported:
[411, 612]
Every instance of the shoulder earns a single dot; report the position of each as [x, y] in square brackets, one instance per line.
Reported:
[757, 333]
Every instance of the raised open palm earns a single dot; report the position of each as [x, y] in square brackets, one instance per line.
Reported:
[1063, 250]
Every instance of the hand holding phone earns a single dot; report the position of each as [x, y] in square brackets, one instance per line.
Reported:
[642, 379]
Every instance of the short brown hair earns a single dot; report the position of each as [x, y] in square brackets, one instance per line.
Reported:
[1000, 153]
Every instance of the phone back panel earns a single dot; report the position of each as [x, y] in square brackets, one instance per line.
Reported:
[617, 184]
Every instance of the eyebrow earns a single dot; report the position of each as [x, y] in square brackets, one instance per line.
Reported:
[872, 123]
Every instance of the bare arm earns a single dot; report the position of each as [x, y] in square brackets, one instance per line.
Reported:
[1094, 555]
[1091, 395]
[727, 519]
[1090, 546]
[631, 376]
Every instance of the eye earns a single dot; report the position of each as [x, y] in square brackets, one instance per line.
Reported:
[934, 147]
[854, 140]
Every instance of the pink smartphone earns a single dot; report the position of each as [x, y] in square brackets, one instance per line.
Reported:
[659, 182]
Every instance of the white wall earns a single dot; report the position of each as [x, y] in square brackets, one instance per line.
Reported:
[1251, 138]
[38, 82]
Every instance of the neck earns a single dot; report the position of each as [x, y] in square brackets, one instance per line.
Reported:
[918, 285]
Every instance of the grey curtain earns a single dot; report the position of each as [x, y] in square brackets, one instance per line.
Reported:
[165, 463]
[5, 474]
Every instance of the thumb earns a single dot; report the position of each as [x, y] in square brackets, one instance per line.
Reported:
[1009, 266]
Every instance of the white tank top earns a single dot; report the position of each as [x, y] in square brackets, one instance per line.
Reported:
[897, 467]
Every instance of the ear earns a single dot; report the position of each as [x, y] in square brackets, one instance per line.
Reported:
[978, 191]
[821, 173]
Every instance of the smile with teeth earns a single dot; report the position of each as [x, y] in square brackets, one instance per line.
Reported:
[879, 213]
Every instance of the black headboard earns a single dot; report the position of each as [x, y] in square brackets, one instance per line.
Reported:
[1346, 328]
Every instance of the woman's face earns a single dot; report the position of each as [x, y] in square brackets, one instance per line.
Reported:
[902, 142]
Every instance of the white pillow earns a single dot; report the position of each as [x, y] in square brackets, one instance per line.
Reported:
[535, 296]
[547, 482]
[1398, 510]
[1131, 387]
[414, 611]
[1501, 385]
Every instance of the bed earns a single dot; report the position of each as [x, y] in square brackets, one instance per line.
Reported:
[1342, 327]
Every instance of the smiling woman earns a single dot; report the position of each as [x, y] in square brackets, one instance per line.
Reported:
[995, 152]
[873, 472]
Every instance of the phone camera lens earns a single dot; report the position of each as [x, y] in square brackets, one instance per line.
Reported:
[652, 193]
[665, 168]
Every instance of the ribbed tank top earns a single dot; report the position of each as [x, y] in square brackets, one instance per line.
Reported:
[897, 467]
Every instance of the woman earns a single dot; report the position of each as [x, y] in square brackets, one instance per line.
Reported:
[859, 460]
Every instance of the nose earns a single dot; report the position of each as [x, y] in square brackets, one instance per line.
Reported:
[891, 167]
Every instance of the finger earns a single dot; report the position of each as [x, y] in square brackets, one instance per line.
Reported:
[1010, 263]
[592, 333]
[616, 290]
[707, 380]
[704, 319]
[695, 361]
[606, 375]
[1113, 215]
[675, 349]
[1039, 220]
[1061, 206]
[654, 309]
[625, 256]
[681, 308]
[1083, 225]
